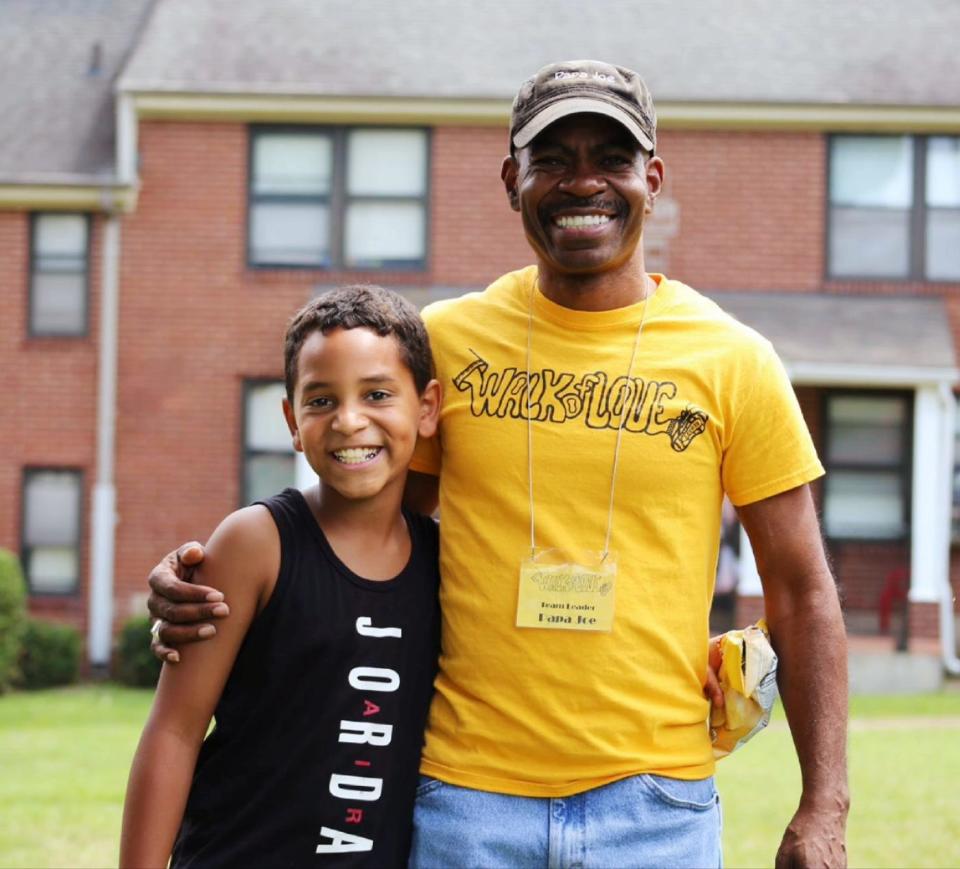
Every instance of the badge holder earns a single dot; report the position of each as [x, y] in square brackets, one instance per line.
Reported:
[567, 590]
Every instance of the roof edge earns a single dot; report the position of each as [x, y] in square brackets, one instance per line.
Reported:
[287, 104]
[63, 195]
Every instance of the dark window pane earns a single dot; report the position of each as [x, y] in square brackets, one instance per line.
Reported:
[292, 163]
[267, 474]
[943, 244]
[871, 171]
[53, 569]
[387, 163]
[379, 232]
[59, 304]
[861, 504]
[943, 171]
[290, 233]
[869, 242]
[865, 430]
[52, 513]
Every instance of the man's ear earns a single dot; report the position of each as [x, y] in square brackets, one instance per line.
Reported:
[653, 170]
[508, 172]
[291, 419]
[429, 410]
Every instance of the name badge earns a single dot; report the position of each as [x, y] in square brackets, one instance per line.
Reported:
[571, 591]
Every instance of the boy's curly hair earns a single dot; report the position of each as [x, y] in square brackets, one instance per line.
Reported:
[361, 306]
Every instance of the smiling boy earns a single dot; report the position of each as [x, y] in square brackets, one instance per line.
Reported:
[320, 684]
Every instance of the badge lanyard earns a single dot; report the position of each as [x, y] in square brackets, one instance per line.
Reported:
[557, 591]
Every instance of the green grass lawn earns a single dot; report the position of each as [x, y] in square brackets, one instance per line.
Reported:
[64, 757]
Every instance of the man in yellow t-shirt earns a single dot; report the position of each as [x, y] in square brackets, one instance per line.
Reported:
[594, 416]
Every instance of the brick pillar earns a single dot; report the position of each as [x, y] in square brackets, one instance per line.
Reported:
[924, 620]
[749, 609]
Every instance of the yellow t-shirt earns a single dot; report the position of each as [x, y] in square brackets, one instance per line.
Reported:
[553, 712]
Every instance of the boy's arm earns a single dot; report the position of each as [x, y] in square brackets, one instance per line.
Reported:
[242, 558]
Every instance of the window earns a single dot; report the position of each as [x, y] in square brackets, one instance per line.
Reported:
[866, 490]
[268, 457]
[343, 198]
[51, 530]
[59, 259]
[895, 207]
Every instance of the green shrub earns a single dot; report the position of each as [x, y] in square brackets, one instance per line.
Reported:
[13, 617]
[135, 663]
[50, 655]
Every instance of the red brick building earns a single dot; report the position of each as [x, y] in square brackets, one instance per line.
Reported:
[180, 175]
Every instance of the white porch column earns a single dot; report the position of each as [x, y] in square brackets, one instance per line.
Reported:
[305, 475]
[930, 550]
[748, 584]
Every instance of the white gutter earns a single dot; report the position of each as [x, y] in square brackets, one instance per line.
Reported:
[948, 638]
[104, 519]
[883, 376]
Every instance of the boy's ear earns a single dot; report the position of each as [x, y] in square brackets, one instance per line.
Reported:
[291, 419]
[429, 410]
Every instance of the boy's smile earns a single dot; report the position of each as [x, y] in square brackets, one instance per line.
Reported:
[356, 413]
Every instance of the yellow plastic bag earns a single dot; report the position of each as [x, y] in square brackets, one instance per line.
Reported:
[748, 678]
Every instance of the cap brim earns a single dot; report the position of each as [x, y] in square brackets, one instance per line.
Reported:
[573, 106]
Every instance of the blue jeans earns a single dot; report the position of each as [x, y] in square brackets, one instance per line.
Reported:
[646, 820]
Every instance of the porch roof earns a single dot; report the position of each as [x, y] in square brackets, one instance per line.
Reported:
[832, 339]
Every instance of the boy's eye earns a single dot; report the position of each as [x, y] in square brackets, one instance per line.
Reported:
[319, 401]
[378, 395]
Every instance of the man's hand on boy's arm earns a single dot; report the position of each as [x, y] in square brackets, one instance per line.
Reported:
[807, 633]
[184, 610]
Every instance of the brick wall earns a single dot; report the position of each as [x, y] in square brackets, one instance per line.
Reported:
[48, 401]
[739, 210]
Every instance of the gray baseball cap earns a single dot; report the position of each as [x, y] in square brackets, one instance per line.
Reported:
[574, 86]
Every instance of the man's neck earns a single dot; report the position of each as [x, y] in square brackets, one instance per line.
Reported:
[604, 291]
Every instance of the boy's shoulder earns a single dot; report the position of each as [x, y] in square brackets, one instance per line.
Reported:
[248, 542]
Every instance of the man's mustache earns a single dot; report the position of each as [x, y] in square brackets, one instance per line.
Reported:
[590, 203]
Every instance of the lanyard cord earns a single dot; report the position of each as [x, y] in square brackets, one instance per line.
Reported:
[616, 449]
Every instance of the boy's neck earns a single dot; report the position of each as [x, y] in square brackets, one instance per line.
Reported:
[369, 536]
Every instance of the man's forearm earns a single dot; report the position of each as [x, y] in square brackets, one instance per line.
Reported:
[810, 640]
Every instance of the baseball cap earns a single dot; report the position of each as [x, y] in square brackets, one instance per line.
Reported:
[573, 86]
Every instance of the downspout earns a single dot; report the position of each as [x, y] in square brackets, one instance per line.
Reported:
[103, 524]
[948, 637]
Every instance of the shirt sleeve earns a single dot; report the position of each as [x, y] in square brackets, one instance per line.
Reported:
[769, 449]
[427, 456]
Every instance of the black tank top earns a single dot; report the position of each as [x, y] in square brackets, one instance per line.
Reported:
[314, 757]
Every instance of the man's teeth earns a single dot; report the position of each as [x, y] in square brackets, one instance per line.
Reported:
[355, 455]
[577, 220]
